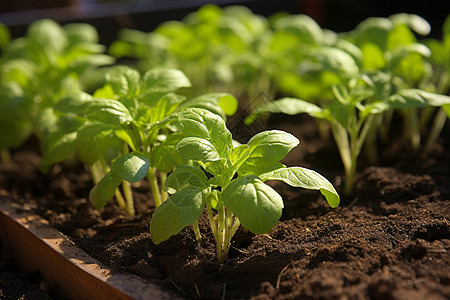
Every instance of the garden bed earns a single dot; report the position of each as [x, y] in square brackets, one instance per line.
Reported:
[388, 240]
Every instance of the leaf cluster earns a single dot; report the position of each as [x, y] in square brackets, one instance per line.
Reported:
[228, 178]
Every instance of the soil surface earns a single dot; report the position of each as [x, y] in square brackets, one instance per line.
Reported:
[390, 239]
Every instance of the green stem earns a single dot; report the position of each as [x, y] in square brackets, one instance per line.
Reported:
[220, 242]
[120, 200]
[438, 124]
[212, 221]
[151, 176]
[341, 139]
[197, 233]
[162, 180]
[386, 125]
[411, 127]
[129, 208]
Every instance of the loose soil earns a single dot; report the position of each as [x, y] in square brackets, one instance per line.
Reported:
[390, 239]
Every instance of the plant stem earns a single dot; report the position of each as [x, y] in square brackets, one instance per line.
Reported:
[151, 176]
[220, 248]
[438, 124]
[411, 127]
[129, 208]
[120, 200]
[197, 233]
[162, 180]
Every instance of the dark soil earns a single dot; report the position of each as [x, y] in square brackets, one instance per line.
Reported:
[390, 239]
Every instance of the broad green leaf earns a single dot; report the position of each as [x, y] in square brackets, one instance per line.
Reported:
[97, 141]
[47, 35]
[415, 22]
[373, 30]
[124, 81]
[289, 106]
[336, 61]
[201, 123]
[239, 153]
[228, 103]
[104, 190]
[81, 33]
[59, 150]
[164, 81]
[95, 109]
[178, 211]
[373, 57]
[184, 176]
[352, 50]
[257, 205]
[266, 150]
[165, 106]
[305, 178]
[198, 149]
[339, 112]
[130, 137]
[400, 36]
[165, 156]
[221, 104]
[416, 98]
[303, 26]
[131, 167]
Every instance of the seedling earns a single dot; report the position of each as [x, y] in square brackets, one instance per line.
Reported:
[124, 132]
[352, 115]
[228, 179]
[36, 70]
[216, 48]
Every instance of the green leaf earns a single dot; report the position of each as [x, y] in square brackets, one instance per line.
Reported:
[201, 123]
[221, 104]
[373, 30]
[165, 156]
[104, 190]
[416, 98]
[257, 205]
[305, 178]
[336, 61]
[165, 106]
[266, 150]
[164, 81]
[81, 33]
[178, 211]
[130, 137]
[184, 176]
[124, 81]
[47, 35]
[131, 167]
[96, 141]
[59, 150]
[303, 26]
[415, 22]
[95, 109]
[289, 106]
[198, 149]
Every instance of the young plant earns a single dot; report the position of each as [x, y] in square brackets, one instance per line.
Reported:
[124, 132]
[390, 45]
[37, 70]
[228, 179]
[439, 82]
[353, 113]
[215, 47]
